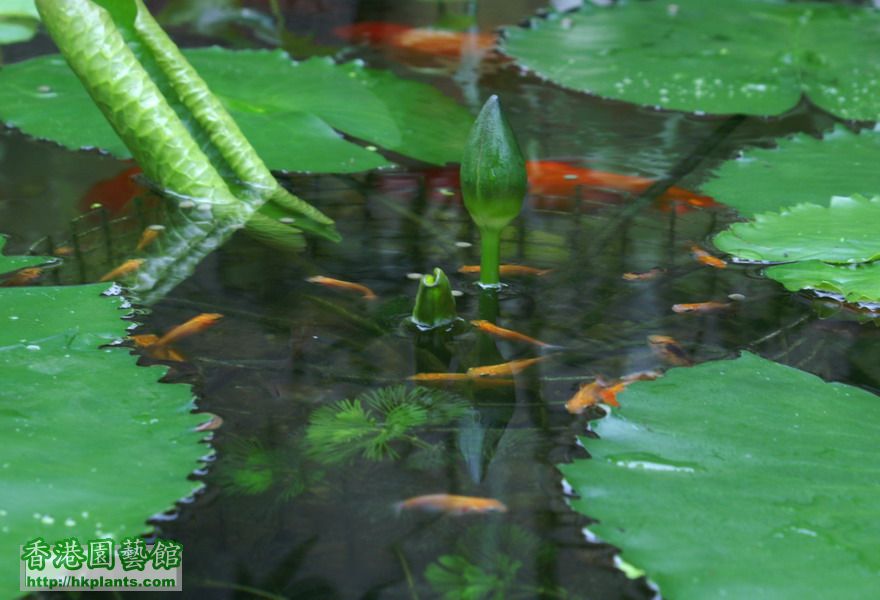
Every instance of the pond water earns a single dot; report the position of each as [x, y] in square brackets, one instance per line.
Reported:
[278, 518]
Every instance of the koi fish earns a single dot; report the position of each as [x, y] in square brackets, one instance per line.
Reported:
[113, 193]
[23, 277]
[506, 270]
[366, 292]
[507, 334]
[418, 40]
[646, 276]
[126, 268]
[558, 178]
[193, 326]
[451, 504]
[707, 259]
[149, 236]
[509, 368]
[669, 350]
[700, 307]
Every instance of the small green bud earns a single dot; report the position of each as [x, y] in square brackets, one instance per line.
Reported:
[435, 304]
[493, 171]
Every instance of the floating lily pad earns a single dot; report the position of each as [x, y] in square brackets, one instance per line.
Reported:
[12, 263]
[738, 56]
[289, 111]
[739, 479]
[801, 169]
[92, 444]
[843, 232]
[854, 283]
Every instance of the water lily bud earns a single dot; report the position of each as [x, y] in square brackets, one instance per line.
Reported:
[435, 304]
[493, 171]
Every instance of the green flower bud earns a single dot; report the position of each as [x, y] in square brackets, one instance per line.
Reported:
[435, 304]
[493, 183]
[493, 171]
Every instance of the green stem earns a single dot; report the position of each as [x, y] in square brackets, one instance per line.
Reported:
[490, 251]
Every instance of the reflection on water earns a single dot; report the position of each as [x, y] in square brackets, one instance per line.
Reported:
[321, 442]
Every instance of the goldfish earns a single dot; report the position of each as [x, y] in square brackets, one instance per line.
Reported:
[509, 368]
[147, 341]
[707, 259]
[113, 193]
[451, 504]
[214, 423]
[418, 40]
[194, 325]
[642, 376]
[608, 394]
[129, 266]
[63, 251]
[646, 276]
[149, 236]
[669, 350]
[700, 307]
[366, 292]
[440, 378]
[508, 270]
[586, 396]
[507, 334]
[559, 178]
[23, 277]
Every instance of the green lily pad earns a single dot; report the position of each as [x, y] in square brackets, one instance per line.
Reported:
[739, 479]
[13, 263]
[843, 232]
[739, 56]
[854, 283]
[289, 111]
[801, 169]
[92, 444]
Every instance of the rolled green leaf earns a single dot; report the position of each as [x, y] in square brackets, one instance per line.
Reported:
[493, 183]
[435, 304]
[175, 128]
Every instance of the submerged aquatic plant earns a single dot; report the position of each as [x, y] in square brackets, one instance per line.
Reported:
[370, 423]
[435, 304]
[493, 184]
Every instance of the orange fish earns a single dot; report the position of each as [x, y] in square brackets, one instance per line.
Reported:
[586, 396]
[214, 423]
[707, 259]
[507, 334]
[511, 270]
[504, 369]
[669, 350]
[700, 307]
[147, 341]
[23, 277]
[149, 236]
[194, 325]
[63, 251]
[440, 378]
[452, 505]
[418, 40]
[558, 178]
[113, 193]
[129, 266]
[642, 376]
[609, 392]
[646, 276]
[366, 292]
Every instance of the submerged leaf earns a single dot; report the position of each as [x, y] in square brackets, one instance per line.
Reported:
[738, 56]
[778, 465]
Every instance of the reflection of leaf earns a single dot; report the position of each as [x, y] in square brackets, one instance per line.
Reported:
[801, 169]
[738, 56]
[96, 445]
[777, 464]
[370, 423]
[287, 110]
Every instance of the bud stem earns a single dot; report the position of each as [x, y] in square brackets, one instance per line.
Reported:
[490, 250]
